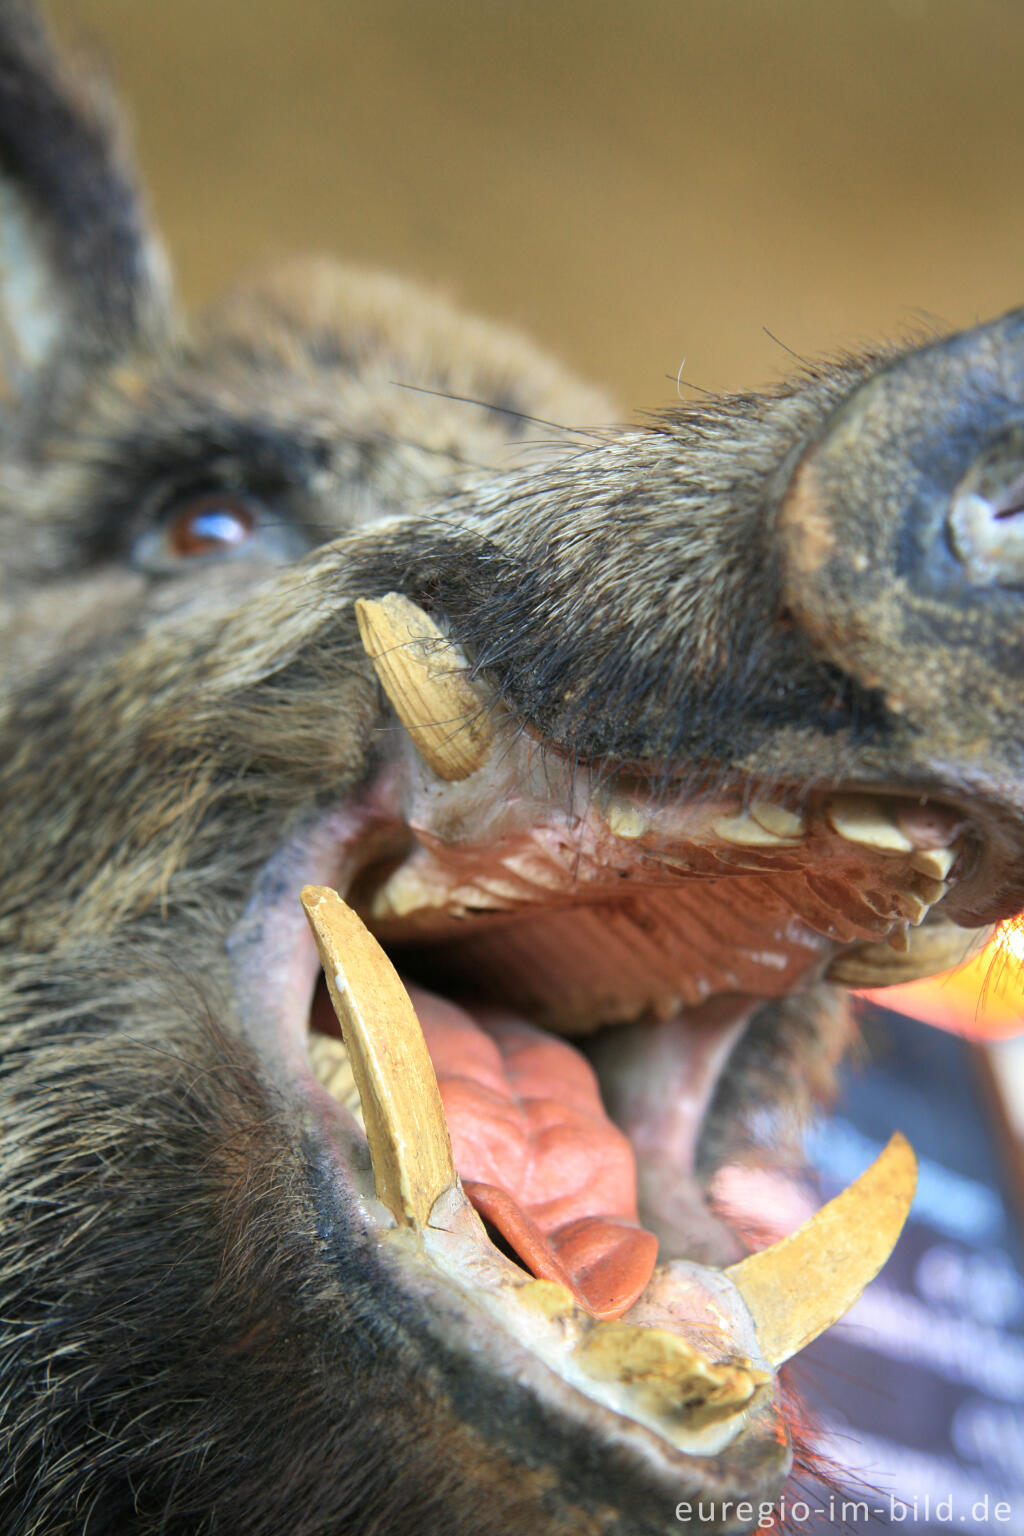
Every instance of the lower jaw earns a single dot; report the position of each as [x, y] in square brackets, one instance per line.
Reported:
[681, 1377]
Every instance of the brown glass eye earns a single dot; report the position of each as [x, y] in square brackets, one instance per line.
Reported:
[209, 525]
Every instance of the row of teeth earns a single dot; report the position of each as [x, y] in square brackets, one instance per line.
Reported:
[865, 820]
[453, 730]
[792, 1292]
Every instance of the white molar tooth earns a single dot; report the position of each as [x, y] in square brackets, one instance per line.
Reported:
[406, 891]
[778, 819]
[623, 819]
[465, 900]
[936, 863]
[745, 830]
[865, 820]
[551, 1300]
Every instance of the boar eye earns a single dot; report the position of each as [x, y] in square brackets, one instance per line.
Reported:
[216, 525]
[210, 525]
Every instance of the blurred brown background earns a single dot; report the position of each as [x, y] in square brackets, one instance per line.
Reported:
[633, 183]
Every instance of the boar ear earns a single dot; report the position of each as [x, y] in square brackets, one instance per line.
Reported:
[82, 281]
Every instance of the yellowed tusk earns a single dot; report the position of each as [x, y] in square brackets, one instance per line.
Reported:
[401, 1104]
[801, 1286]
[423, 675]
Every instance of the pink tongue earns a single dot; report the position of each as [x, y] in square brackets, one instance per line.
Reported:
[537, 1154]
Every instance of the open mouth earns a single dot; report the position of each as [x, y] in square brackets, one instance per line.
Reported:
[520, 1119]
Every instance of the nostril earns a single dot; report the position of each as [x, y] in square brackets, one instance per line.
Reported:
[986, 517]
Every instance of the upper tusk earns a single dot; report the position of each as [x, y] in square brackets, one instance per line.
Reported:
[423, 675]
[801, 1286]
[401, 1103]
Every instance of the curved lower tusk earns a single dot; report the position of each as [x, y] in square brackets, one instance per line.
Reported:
[801, 1286]
[398, 1092]
[423, 675]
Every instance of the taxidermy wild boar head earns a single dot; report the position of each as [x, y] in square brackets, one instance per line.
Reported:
[628, 748]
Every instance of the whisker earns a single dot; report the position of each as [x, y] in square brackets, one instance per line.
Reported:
[501, 410]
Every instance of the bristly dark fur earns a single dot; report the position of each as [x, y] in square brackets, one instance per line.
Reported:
[195, 1334]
